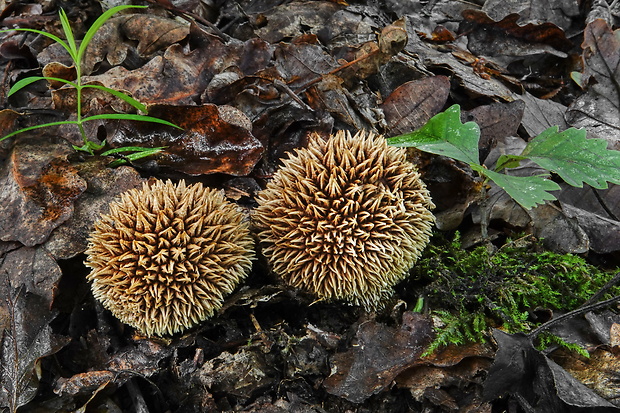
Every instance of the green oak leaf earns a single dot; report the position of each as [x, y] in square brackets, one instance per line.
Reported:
[576, 159]
[444, 134]
[527, 191]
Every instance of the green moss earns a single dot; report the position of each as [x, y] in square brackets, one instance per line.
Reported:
[472, 290]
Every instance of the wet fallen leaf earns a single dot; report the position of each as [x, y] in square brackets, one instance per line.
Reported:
[26, 339]
[38, 189]
[214, 139]
[496, 121]
[378, 356]
[291, 20]
[103, 186]
[153, 33]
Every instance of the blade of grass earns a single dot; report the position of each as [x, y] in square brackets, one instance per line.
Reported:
[66, 28]
[124, 116]
[97, 24]
[27, 81]
[44, 125]
[48, 35]
[130, 149]
[133, 102]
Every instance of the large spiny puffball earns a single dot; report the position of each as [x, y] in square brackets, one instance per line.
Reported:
[345, 218]
[165, 256]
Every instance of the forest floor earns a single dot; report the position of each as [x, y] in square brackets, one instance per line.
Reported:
[249, 81]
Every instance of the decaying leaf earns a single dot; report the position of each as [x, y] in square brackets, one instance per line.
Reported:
[152, 32]
[369, 367]
[455, 367]
[103, 185]
[558, 12]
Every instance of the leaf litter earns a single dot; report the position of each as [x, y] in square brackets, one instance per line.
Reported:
[248, 82]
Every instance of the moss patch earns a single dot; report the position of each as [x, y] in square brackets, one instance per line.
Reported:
[472, 290]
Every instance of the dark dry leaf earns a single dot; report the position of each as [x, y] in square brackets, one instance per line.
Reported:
[243, 374]
[598, 110]
[559, 12]
[379, 355]
[537, 383]
[25, 340]
[38, 187]
[291, 20]
[497, 120]
[213, 139]
[413, 103]
[139, 359]
[541, 114]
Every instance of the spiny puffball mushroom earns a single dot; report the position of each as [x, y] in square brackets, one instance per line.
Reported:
[345, 218]
[165, 256]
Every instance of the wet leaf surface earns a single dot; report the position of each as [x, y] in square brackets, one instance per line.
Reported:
[38, 190]
[213, 139]
[413, 103]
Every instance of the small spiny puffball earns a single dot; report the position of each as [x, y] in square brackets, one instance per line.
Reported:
[165, 256]
[345, 218]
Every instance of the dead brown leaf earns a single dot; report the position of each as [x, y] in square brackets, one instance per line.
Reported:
[413, 103]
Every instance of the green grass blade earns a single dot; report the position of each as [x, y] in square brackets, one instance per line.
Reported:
[130, 149]
[97, 24]
[124, 116]
[44, 125]
[133, 102]
[66, 28]
[50, 36]
[19, 85]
